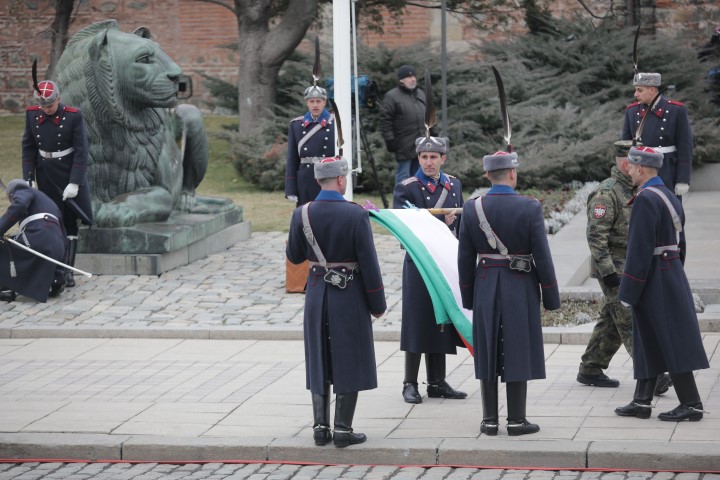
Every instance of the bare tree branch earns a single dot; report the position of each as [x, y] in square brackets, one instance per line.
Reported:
[221, 3]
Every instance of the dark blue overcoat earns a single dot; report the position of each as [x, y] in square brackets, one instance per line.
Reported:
[666, 335]
[667, 125]
[342, 230]
[498, 295]
[419, 331]
[56, 133]
[45, 235]
[300, 177]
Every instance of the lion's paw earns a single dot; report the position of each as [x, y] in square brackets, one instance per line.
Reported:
[114, 215]
[187, 202]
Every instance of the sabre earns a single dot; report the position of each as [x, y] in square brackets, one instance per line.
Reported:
[640, 128]
[45, 257]
[434, 211]
[507, 130]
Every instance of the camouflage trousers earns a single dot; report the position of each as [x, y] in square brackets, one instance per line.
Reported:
[613, 328]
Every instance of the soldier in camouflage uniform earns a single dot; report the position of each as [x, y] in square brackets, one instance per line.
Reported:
[608, 218]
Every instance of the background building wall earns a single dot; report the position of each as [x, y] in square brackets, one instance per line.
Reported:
[197, 35]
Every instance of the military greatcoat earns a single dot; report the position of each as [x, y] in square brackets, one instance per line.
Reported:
[507, 332]
[419, 331]
[308, 141]
[53, 134]
[43, 233]
[668, 125]
[666, 335]
[337, 325]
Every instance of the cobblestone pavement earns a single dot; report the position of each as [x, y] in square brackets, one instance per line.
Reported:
[221, 291]
[259, 471]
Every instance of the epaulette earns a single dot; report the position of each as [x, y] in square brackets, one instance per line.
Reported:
[33, 108]
[297, 118]
[632, 105]
[410, 180]
[679, 104]
[71, 109]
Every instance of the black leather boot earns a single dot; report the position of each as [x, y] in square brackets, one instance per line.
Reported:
[343, 434]
[641, 406]
[410, 384]
[72, 250]
[690, 408]
[437, 386]
[489, 392]
[517, 401]
[7, 295]
[321, 418]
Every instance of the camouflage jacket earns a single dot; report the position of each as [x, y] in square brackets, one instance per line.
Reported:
[607, 228]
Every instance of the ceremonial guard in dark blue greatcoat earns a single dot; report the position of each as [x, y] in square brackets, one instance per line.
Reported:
[41, 229]
[310, 139]
[55, 153]
[344, 289]
[420, 334]
[506, 274]
[667, 130]
[666, 335]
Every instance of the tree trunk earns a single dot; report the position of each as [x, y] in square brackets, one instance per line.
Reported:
[263, 50]
[59, 30]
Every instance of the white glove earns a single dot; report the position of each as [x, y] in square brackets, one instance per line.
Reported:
[71, 191]
[625, 304]
[681, 189]
[292, 198]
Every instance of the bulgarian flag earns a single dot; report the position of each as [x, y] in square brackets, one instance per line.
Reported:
[434, 250]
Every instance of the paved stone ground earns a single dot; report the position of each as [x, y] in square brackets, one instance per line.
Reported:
[259, 471]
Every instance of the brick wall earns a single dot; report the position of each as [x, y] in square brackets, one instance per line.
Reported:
[194, 33]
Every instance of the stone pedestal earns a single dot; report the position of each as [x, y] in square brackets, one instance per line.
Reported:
[154, 248]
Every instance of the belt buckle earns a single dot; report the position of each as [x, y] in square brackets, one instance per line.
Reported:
[520, 264]
[335, 278]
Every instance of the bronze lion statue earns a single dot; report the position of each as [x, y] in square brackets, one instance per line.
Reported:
[146, 155]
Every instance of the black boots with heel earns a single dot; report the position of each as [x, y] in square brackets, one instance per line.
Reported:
[690, 408]
[517, 400]
[321, 419]
[343, 434]
[641, 406]
[489, 392]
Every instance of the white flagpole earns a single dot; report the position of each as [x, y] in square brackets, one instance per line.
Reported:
[45, 257]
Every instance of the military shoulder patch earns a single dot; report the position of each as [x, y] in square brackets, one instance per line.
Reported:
[33, 108]
[673, 102]
[632, 105]
[599, 210]
[410, 180]
[71, 109]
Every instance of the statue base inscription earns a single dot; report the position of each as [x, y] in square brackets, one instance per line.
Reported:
[154, 248]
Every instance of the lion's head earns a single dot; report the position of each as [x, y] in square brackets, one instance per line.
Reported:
[124, 85]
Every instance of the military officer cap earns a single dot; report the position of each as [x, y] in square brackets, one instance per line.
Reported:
[47, 92]
[646, 80]
[313, 91]
[431, 144]
[331, 167]
[622, 147]
[500, 161]
[645, 157]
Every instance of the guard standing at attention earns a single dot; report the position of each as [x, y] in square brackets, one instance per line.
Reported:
[420, 334]
[311, 138]
[55, 153]
[344, 290]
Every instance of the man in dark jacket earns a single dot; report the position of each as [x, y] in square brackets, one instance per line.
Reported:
[506, 272]
[40, 229]
[402, 120]
[344, 288]
[666, 335]
[430, 187]
[55, 153]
